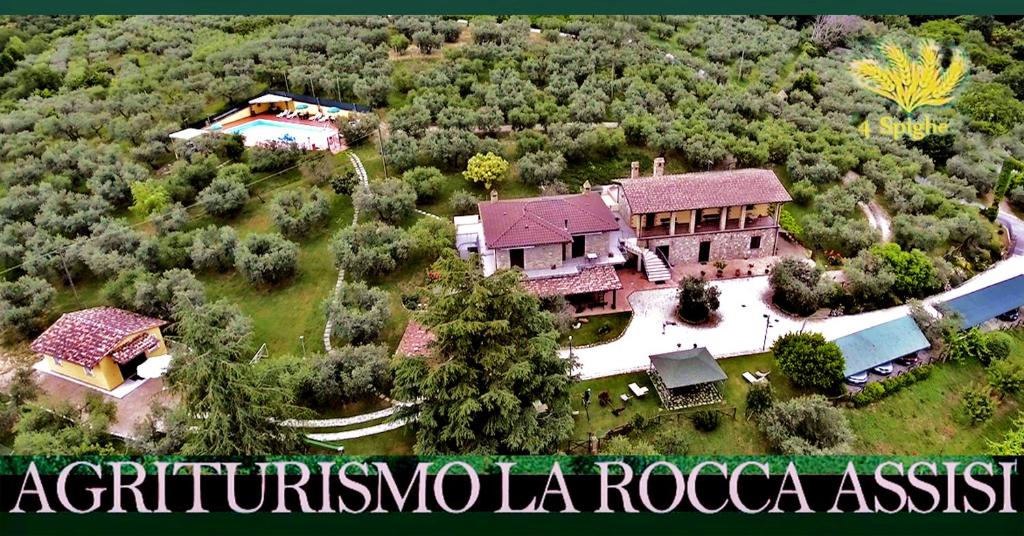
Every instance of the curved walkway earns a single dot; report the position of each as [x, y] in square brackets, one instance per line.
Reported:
[342, 421]
[361, 432]
[364, 181]
[741, 325]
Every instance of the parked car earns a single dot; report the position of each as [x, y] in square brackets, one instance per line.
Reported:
[1010, 316]
[858, 378]
[884, 369]
[908, 360]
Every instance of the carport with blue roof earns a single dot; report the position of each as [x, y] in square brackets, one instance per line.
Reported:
[881, 344]
[987, 303]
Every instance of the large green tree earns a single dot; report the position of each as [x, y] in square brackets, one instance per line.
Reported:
[494, 359]
[809, 360]
[231, 408]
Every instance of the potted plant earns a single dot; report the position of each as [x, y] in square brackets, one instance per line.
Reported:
[720, 266]
[737, 272]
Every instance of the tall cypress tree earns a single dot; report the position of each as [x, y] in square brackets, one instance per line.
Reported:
[495, 357]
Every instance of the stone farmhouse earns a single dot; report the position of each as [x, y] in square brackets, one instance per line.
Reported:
[699, 217]
[571, 245]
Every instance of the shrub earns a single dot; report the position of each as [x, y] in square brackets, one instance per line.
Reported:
[427, 181]
[462, 203]
[391, 200]
[760, 397]
[672, 442]
[891, 385]
[809, 360]
[296, 215]
[213, 248]
[803, 192]
[808, 425]
[798, 286]
[346, 374]
[997, 345]
[541, 167]
[430, 237]
[273, 156]
[706, 420]
[625, 446]
[697, 299]
[345, 183]
[977, 404]
[1006, 376]
[369, 249]
[359, 312]
[224, 197]
[24, 303]
[265, 259]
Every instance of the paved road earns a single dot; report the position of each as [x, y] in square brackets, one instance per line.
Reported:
[1016, 227]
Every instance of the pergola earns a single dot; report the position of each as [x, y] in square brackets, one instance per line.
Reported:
[687, 378]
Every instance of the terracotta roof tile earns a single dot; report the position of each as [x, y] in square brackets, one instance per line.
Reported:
[593, 279]
[703, 190]
[87, 336]
[544, 220]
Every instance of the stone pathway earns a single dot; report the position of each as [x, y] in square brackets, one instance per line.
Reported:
[740, 326]
[364, 181]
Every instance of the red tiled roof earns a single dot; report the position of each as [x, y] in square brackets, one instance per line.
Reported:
[544, 220]
[415, 341]
[703, 190]
[593, 279]
[142, 342]
[87, 336]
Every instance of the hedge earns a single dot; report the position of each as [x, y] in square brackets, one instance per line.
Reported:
[879, 390]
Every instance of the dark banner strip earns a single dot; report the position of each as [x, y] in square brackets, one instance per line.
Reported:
[602, 7]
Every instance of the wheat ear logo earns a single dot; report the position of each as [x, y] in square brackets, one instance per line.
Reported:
[912, 83]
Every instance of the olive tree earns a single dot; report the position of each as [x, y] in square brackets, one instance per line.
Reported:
[296, 215]
[391, 200]
[359, 312]
[369, 249]
[24, 304]
[213, 248]
[265, 259]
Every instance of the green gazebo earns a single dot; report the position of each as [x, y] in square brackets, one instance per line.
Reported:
[687, 378]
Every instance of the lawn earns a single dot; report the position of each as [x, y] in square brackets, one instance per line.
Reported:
[924, 418]
[295, 308]
[598, 329]
[396, 442]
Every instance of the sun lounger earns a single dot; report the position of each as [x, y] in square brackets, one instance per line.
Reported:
[282, 113]
[317, 117]
[325, 118]
[637, 390]
[751, 378]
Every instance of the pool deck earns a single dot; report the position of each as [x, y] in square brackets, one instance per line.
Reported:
[328, 125]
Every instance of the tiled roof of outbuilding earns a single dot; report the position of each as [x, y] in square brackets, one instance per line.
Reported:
[703, 190]
[87, 336]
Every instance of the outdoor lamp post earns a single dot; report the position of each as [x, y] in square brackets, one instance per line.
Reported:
[767, 322]
[586, 403]
[302, 341]
[570, 347]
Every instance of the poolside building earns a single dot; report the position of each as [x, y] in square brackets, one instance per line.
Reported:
[881, 344]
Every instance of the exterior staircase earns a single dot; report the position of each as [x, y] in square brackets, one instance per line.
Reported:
[654, 266]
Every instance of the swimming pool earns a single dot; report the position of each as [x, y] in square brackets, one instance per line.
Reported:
[265, 130]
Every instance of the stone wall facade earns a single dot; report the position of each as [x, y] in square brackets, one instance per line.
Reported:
[726, 245]
[544, 256]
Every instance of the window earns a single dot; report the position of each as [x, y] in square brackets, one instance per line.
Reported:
[750, 207]
[755, 242]
[88, 371]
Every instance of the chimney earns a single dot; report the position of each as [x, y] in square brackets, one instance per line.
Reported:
[659, 166]
[494, 195]
[634, 170]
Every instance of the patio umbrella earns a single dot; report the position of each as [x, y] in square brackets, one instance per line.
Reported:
[301, 106]
[333, 110]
